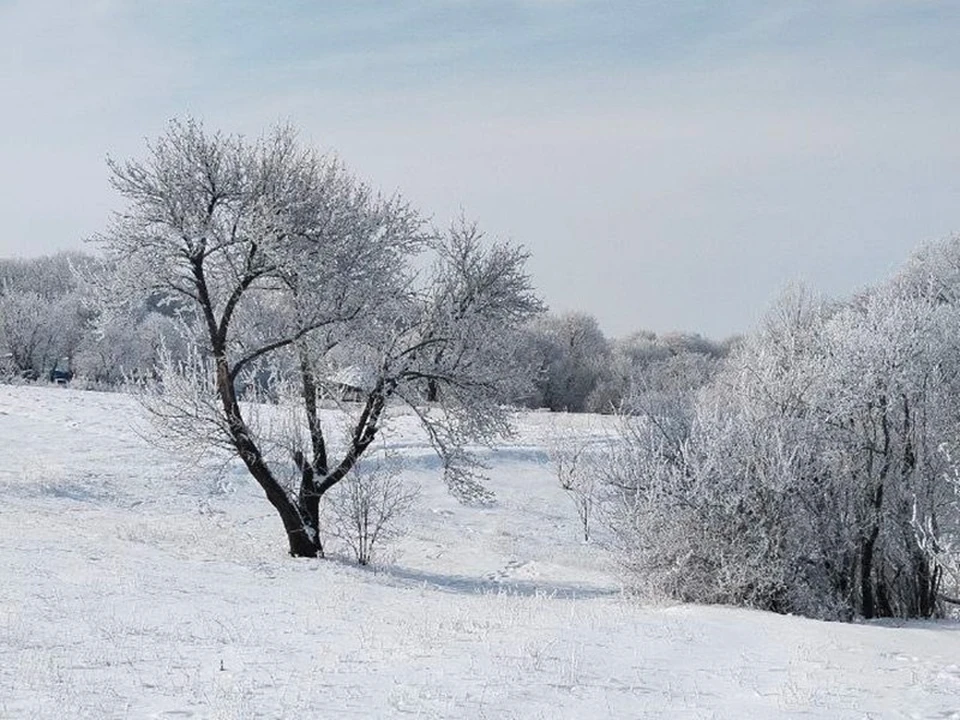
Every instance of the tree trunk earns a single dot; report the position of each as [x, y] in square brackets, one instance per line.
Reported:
[866, 574]
[309, 500]
[301, 534]
[868, 595]
[303, 545]
[304, 540]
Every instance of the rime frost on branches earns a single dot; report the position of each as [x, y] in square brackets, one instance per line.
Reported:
[811, 478]
[366, 509]
[284, 273]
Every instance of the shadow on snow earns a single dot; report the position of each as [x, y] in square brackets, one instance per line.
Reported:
[464, 585]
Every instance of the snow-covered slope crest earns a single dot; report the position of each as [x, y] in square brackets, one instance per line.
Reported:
[135, 587]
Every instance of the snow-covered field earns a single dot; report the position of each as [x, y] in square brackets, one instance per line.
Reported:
[133, 587]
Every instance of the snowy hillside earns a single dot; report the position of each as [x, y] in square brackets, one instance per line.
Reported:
[135, 587]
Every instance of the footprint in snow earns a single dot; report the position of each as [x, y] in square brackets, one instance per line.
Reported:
[505, 571]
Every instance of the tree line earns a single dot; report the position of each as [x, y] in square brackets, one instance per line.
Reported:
[50, 323]
[51, 319]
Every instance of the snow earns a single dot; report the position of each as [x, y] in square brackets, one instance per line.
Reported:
[136, 587]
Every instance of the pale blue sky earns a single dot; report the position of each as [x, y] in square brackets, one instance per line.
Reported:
[671, 165]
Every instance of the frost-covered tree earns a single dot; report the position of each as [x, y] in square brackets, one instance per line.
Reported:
[127, 347]
[26, 326]
[50, 276]
[42, 317]
[654, 374]
[571, 354]
[38, 332]
[815, 476]
[284, 271]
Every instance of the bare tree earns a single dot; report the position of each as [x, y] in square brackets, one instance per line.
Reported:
[367, 507]
[578, 468]
[276, 261]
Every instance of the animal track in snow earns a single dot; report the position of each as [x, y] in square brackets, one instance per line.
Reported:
[506, 571]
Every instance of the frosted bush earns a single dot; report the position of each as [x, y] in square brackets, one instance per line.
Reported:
[810, 477]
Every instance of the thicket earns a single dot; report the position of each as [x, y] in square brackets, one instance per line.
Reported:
[815, 473]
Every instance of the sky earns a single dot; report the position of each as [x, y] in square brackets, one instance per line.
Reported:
[669, 165]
